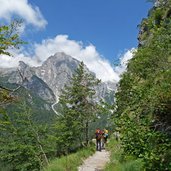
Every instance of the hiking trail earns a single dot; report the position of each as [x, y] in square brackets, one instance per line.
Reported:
[96, 162]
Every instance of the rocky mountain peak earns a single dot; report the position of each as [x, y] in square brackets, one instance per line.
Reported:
[58, 58]
[57, 70]
[22, 65]
[24, 71]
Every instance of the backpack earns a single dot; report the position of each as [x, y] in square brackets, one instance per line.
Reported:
[98, 134]
[105, 135]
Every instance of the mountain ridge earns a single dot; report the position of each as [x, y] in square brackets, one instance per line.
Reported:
[48, 80]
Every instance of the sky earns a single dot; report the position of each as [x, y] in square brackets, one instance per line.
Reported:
[98, 32]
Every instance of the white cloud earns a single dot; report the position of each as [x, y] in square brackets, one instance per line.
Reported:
[23, 9]
[61, 43]
[13, 61]
[124, 59]
[88, 54]
[8, 61]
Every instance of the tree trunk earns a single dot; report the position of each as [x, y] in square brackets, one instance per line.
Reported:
[41, 149]
[86, 133]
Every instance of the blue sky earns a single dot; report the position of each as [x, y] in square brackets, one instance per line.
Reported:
[108, 24]
[96, 32]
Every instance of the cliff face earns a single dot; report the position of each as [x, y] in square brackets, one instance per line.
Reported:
[25, 76]
[56, 71]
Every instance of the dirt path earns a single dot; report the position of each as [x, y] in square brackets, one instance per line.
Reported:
[95, 162]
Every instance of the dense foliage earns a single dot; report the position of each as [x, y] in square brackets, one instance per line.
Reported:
[144, 93]
[24, 145]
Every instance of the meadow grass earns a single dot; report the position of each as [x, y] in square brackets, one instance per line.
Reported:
[120, 162]
[71, 161]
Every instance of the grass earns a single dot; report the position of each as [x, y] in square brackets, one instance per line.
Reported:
[71, 161]
[120, 162]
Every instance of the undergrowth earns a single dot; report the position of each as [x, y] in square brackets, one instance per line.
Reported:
[120, 162]
[70, 162]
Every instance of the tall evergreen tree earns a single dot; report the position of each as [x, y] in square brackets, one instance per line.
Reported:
[78, 108]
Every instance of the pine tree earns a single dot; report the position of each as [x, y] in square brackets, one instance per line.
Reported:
[78, 108]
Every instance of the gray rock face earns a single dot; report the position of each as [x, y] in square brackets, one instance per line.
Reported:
[24, 75]
[48, 80]
[105, 91]
[56, 71]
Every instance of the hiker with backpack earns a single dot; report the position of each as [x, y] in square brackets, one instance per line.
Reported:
[106, 135]
[98, 135]
[104, 138]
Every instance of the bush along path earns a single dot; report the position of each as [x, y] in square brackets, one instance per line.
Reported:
[96, 162]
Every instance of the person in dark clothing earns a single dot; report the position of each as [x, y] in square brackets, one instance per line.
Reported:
[98, 135]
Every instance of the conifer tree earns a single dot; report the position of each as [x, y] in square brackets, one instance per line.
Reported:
[78, 108]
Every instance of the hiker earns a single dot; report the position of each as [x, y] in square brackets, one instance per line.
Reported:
[105, 137]
[98, 135]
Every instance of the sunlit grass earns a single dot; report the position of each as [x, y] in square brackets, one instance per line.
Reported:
[70, 162]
